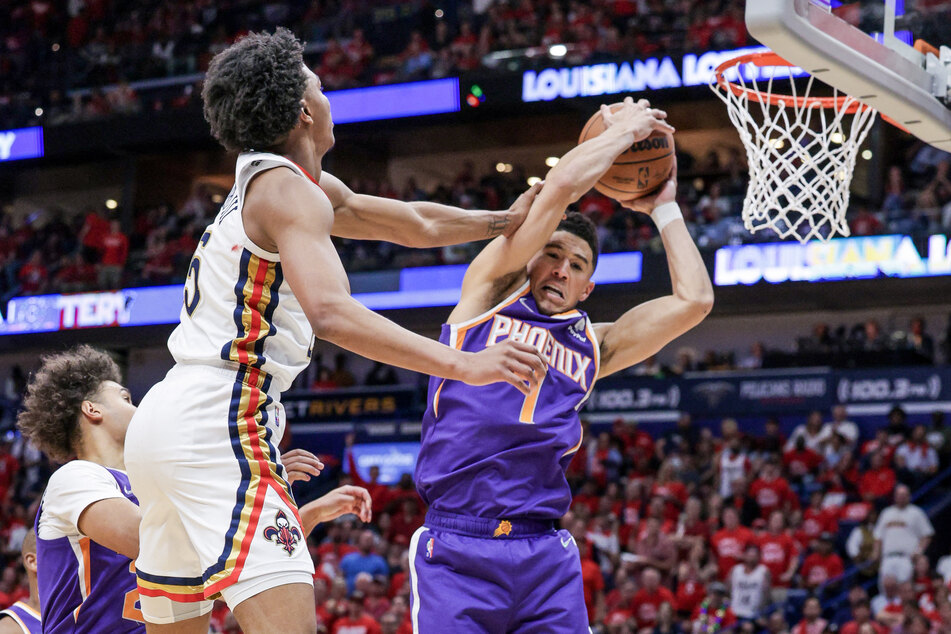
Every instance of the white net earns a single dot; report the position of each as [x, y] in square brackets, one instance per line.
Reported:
[801, 151]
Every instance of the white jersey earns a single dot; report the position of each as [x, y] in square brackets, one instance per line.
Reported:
[239, 312]
[732, 467]
[748, 590]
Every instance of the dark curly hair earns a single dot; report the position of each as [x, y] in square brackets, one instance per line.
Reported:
[253, 89]
[51, 409]
[581, 226]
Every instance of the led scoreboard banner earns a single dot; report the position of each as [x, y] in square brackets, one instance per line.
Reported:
[23, 143]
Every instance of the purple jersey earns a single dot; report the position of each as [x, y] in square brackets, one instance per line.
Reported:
[491, 451]
[26, 617]
[83, 586]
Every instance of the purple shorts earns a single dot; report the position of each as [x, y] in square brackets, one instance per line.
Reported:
[476, 575]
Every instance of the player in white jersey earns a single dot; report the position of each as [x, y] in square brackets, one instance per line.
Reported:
[202, 449]
[749, 585]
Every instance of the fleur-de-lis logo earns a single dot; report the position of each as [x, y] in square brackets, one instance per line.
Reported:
[282, 533]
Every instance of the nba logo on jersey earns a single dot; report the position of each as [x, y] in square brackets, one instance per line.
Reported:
[429, 548]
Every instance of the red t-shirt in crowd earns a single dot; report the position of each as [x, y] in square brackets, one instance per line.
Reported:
[770, 494]
[674, 495]
[818, 568]
[646, 604]
[816, 521]
[878, 482]
[364, 625]
[689, 595]
[593, 582]
[776, 553]
[728, 547]
[852, 627]
[799, 463]
[855, 512]
[115, 249]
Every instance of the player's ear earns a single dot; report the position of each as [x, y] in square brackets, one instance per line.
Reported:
[305, 113]
[92, 411]
[29, 561]
[587, 291]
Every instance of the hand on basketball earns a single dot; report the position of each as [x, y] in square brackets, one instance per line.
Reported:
[665, 194]
[519, 209]
[513, 362]
[638, 118]
[345, 500]
[300, 464]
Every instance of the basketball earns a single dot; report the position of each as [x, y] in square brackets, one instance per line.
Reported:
[640, 170]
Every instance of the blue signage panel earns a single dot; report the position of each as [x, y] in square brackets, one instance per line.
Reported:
[23, 143]
[840, 259]
[653, 73]
[393, 458]
[394, 101]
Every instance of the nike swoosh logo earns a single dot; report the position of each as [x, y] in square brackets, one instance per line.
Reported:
[523, 303]
[565, 542]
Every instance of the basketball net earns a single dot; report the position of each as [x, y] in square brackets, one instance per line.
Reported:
[801, 150]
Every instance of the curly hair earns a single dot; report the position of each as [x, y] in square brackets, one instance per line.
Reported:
[54, 395]
[581, 226]
[253, 90]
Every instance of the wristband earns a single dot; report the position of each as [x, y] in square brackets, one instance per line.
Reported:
[666, 214]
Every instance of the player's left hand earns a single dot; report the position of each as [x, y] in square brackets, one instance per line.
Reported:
[519, 209]
[300, 464]
[666, 194]
[344, 500]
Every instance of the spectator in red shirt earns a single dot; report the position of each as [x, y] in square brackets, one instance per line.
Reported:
[780, 554]
[823, 565]
[692, 528]
[878, 483]
[33, 276]
[812, 621]
[75, 275]
[90, 236]
[801, 460]
[405, 523]
[379, 493]
[690, 589]
[771, 491]
[673, 492]
[862, 617]
[816, 519]
[729, 542]
[356, 622]
[114, 247]
[647, 601]
[879, 444]
[655, 548]
[593, 582]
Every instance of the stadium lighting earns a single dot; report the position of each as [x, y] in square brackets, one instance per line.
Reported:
[111, 203]
[557, 50]
[55, 47]
[837, 138]
[551, 161]
[532, 180]
[38, 112]
[866, 154]
[500, 167]
[439, 13]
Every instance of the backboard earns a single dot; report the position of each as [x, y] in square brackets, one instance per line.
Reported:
[906, 85]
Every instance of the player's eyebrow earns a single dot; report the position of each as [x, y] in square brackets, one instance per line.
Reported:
[571, 254]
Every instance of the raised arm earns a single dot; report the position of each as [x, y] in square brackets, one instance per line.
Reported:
[576, 173]
[414, 224]
[284, 210]
[645, 329]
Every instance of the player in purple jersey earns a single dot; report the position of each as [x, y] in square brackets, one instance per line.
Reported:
[23, 617]
[492, 462]
[87, 528]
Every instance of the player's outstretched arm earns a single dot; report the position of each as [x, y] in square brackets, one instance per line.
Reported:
[286, 212]
[340, 501]
[413, 224]
[575, 174]
[113, 523]
[645, 329]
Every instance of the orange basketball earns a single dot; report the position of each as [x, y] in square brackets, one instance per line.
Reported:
[640, 170]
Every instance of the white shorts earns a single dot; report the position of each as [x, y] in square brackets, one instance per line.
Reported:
[218, 517]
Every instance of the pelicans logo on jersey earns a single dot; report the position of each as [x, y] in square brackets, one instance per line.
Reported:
[282, 533]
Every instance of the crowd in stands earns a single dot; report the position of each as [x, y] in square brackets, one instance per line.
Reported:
[699, 528]
[82, 60]
[704, 529]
